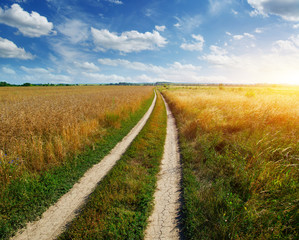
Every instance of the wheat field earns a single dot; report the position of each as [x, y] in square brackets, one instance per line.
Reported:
[240, 148]
[41, 126]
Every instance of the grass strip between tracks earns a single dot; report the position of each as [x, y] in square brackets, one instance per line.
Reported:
[28, 197]
[121, 204]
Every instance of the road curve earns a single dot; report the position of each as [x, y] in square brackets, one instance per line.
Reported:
[54, 220]
[163, 223]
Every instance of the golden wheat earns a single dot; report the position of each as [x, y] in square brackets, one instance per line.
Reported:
[40, 126]
[241, 145]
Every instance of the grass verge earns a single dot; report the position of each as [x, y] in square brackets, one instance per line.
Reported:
[122, 202]
[26, 198]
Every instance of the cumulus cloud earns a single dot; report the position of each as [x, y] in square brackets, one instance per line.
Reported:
[10, 50]
[75, 30]
[87, 66]
[218, 57]
[131, 41]
[287, 9]
[160, 28]
[196, 45]
[290, 45]
[29, 24]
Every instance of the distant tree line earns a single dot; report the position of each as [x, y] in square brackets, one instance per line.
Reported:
[5, 84]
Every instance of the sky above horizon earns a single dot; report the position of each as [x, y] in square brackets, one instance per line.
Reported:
[183, 41]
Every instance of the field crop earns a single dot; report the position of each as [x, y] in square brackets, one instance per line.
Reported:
[41, 126]
[239, 149]
[29, 190]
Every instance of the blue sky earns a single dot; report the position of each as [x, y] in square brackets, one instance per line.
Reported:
[184, 41]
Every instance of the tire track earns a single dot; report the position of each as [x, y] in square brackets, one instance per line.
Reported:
[55, 219]
[163, 223]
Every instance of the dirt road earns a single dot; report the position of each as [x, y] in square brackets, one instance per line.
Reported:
[55, 219]
[163, 223]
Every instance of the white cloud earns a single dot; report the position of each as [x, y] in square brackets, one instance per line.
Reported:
[149, 12]
[35, 70]
[129, 65]
[10, 50]
[258, 30]
[42, 75]
[196, 45]
[175, 72]
[218, 57]
[31, 25]
[176, 66]
[110, 62]
[114, 1]
[8, 70]
[277, 65]
[290, 46]
[177, 25]
[287, 9]
[228, 33]
[131, 41]
[67, 51]
[239, 37]
[188, 23]
[102, 78]
[87, 66]
[218, 50]
[296, 26]
[146, 79]
[75, 30]
[249, 35]
[160, 28]
[234, 12]
[178, 72]
[217, 6]
[47, 78]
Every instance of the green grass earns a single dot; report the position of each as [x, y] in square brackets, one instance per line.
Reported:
[240, 162]
[122, 202]
[28, 197]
